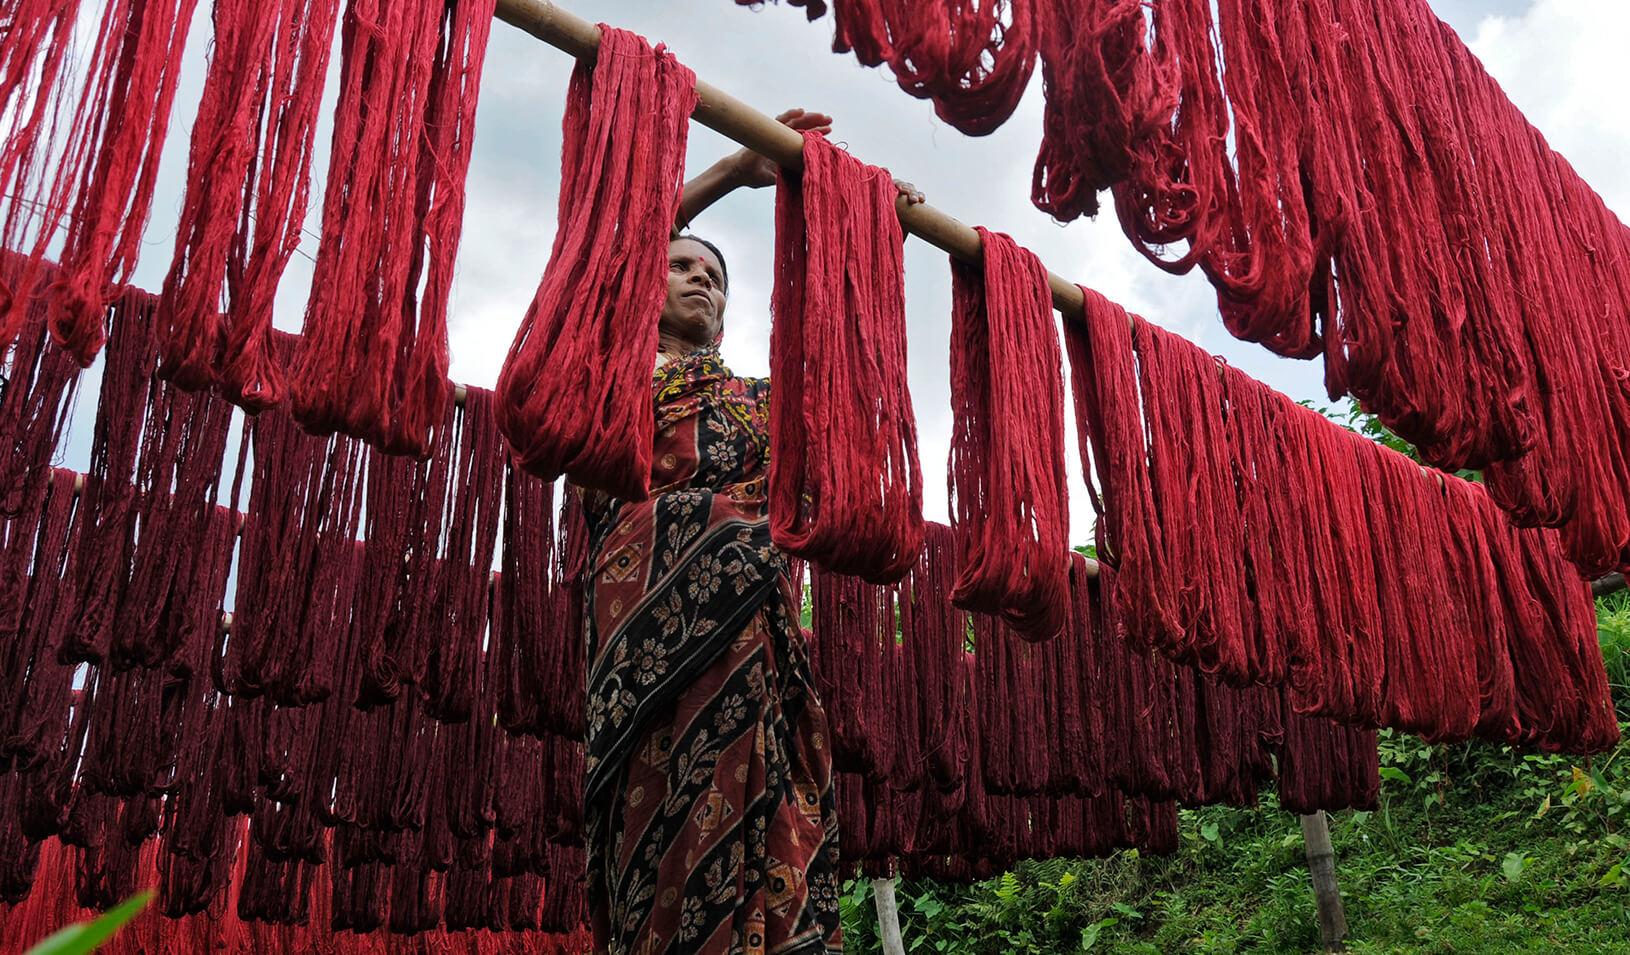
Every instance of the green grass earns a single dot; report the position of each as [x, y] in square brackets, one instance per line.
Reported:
[1475, 848]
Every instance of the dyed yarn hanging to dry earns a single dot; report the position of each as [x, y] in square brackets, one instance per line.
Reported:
[1010, 508]
[854, 627]
[1354, 177]
[845, 485]
[245, 204]
[372, 362]
[404, 503]
[1382, 595]
[295, 585]
[34, 91]
[36, 602]
[933, 634]
[173, 474]
[574, 396]
[124, 451]
[536, 655]
[1109, 421]
[973, 58]
[1104, 94]
[85, 181]
[451, 625]
[1324, 765]
[1193, 476]
[40, 385]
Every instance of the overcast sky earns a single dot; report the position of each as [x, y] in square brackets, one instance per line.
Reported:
[1555, 58]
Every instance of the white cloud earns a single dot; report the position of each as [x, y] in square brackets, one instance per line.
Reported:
[1561, 63]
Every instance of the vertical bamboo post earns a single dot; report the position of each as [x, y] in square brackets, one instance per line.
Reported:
[1321, 862]
[888, 917]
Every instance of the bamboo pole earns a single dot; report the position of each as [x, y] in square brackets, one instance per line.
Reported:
[1321, 863]
[888, 917]
[723, 113]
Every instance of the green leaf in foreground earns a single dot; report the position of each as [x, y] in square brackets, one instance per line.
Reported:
[84, 937]
[1395, 774]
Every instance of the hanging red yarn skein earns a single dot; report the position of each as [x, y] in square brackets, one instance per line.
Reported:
[247, 187]
[973, 58]
[372, 362]
[845, 485]
[97, 175]
[574, 395]
[1105, 96]
[33, 52]
[1010, 507]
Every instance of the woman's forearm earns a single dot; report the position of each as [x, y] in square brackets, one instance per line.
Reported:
[713, 184]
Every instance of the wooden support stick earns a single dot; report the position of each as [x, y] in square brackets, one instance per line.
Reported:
[1321, 862]
[888, 917]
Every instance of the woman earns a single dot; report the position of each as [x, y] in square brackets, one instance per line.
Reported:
[709, 812]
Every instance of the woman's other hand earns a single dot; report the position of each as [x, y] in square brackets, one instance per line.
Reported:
[756, 171]
[911, 194]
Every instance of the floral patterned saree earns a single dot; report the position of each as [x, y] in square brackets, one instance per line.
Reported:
[709, 813]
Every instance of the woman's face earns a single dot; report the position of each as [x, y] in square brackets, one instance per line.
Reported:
[694, 309]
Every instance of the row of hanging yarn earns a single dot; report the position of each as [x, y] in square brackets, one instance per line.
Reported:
[959, 747]
[350, 721]
[1354, 184]
[350, 712]
[514, 927]
[1253, 538]
[1258, 541]
[81, 156]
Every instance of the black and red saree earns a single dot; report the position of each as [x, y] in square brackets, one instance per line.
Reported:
[709, 812]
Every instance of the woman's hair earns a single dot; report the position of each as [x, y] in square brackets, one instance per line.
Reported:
[724, 271]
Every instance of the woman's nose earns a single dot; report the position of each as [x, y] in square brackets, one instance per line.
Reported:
[700, 277]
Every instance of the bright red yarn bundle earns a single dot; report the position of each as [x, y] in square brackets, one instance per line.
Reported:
[845, 484]
[1354, 183]
[85, 180]
[1382, 594]
[1103, 96]
[973, 58]
[1010, 506]
[574, 394]
[247, 189]
[372, 362]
